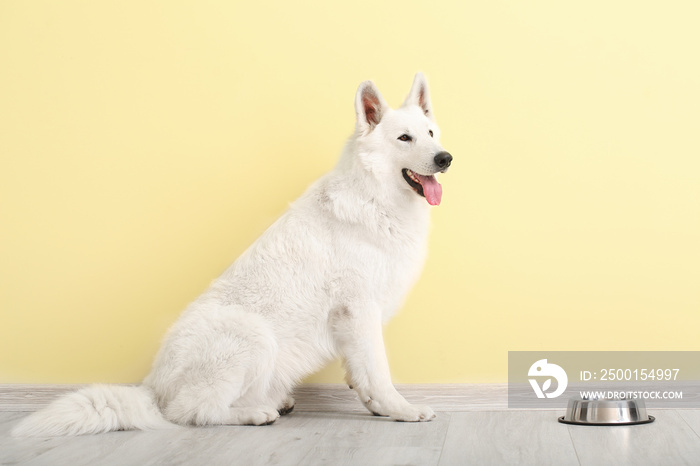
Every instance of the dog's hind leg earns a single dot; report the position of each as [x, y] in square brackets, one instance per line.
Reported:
[211, 406]
[268, 395]
[209, 401]
[231, 356]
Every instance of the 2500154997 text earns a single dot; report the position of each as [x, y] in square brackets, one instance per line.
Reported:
[630, 374]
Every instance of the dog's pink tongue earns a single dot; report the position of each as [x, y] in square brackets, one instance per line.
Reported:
[432, 190]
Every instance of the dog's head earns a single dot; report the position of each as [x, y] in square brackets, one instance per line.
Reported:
[401, 147]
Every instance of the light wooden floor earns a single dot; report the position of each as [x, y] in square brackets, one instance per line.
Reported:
[351, 436]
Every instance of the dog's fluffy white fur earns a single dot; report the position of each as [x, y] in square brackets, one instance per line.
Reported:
[318, 284]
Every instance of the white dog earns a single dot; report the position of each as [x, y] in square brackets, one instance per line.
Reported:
[318, 284]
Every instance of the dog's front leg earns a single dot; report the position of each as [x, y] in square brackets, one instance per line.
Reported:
[359, 338]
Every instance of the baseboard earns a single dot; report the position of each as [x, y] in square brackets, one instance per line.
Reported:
[309, 397]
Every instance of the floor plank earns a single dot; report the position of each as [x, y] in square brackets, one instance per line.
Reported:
[299, 438]
[692, 418]
[16, 451]
[365, 439]
[668, 440]
[302, 438]
[507, 437]
[8, 421]
[283, 443]
[82, 450]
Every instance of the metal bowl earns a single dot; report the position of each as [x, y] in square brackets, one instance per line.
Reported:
[606, 412]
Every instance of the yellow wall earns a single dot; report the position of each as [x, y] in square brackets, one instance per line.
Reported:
[144, 145]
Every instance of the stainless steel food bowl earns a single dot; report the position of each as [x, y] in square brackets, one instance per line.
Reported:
[606, 412]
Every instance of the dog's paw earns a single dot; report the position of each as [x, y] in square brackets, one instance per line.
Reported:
[261, 416]
[413, 413]
[286, 407]
[264, 417]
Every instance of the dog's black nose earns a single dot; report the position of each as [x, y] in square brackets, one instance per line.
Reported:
[443, 159]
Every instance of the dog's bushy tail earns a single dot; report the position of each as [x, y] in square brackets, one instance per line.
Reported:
[94, 410]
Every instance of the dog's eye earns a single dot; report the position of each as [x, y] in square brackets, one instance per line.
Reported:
[405, 137]
[430, 132]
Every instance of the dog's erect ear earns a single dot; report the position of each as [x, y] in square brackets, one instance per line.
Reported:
[369, 107]
[420, 95]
